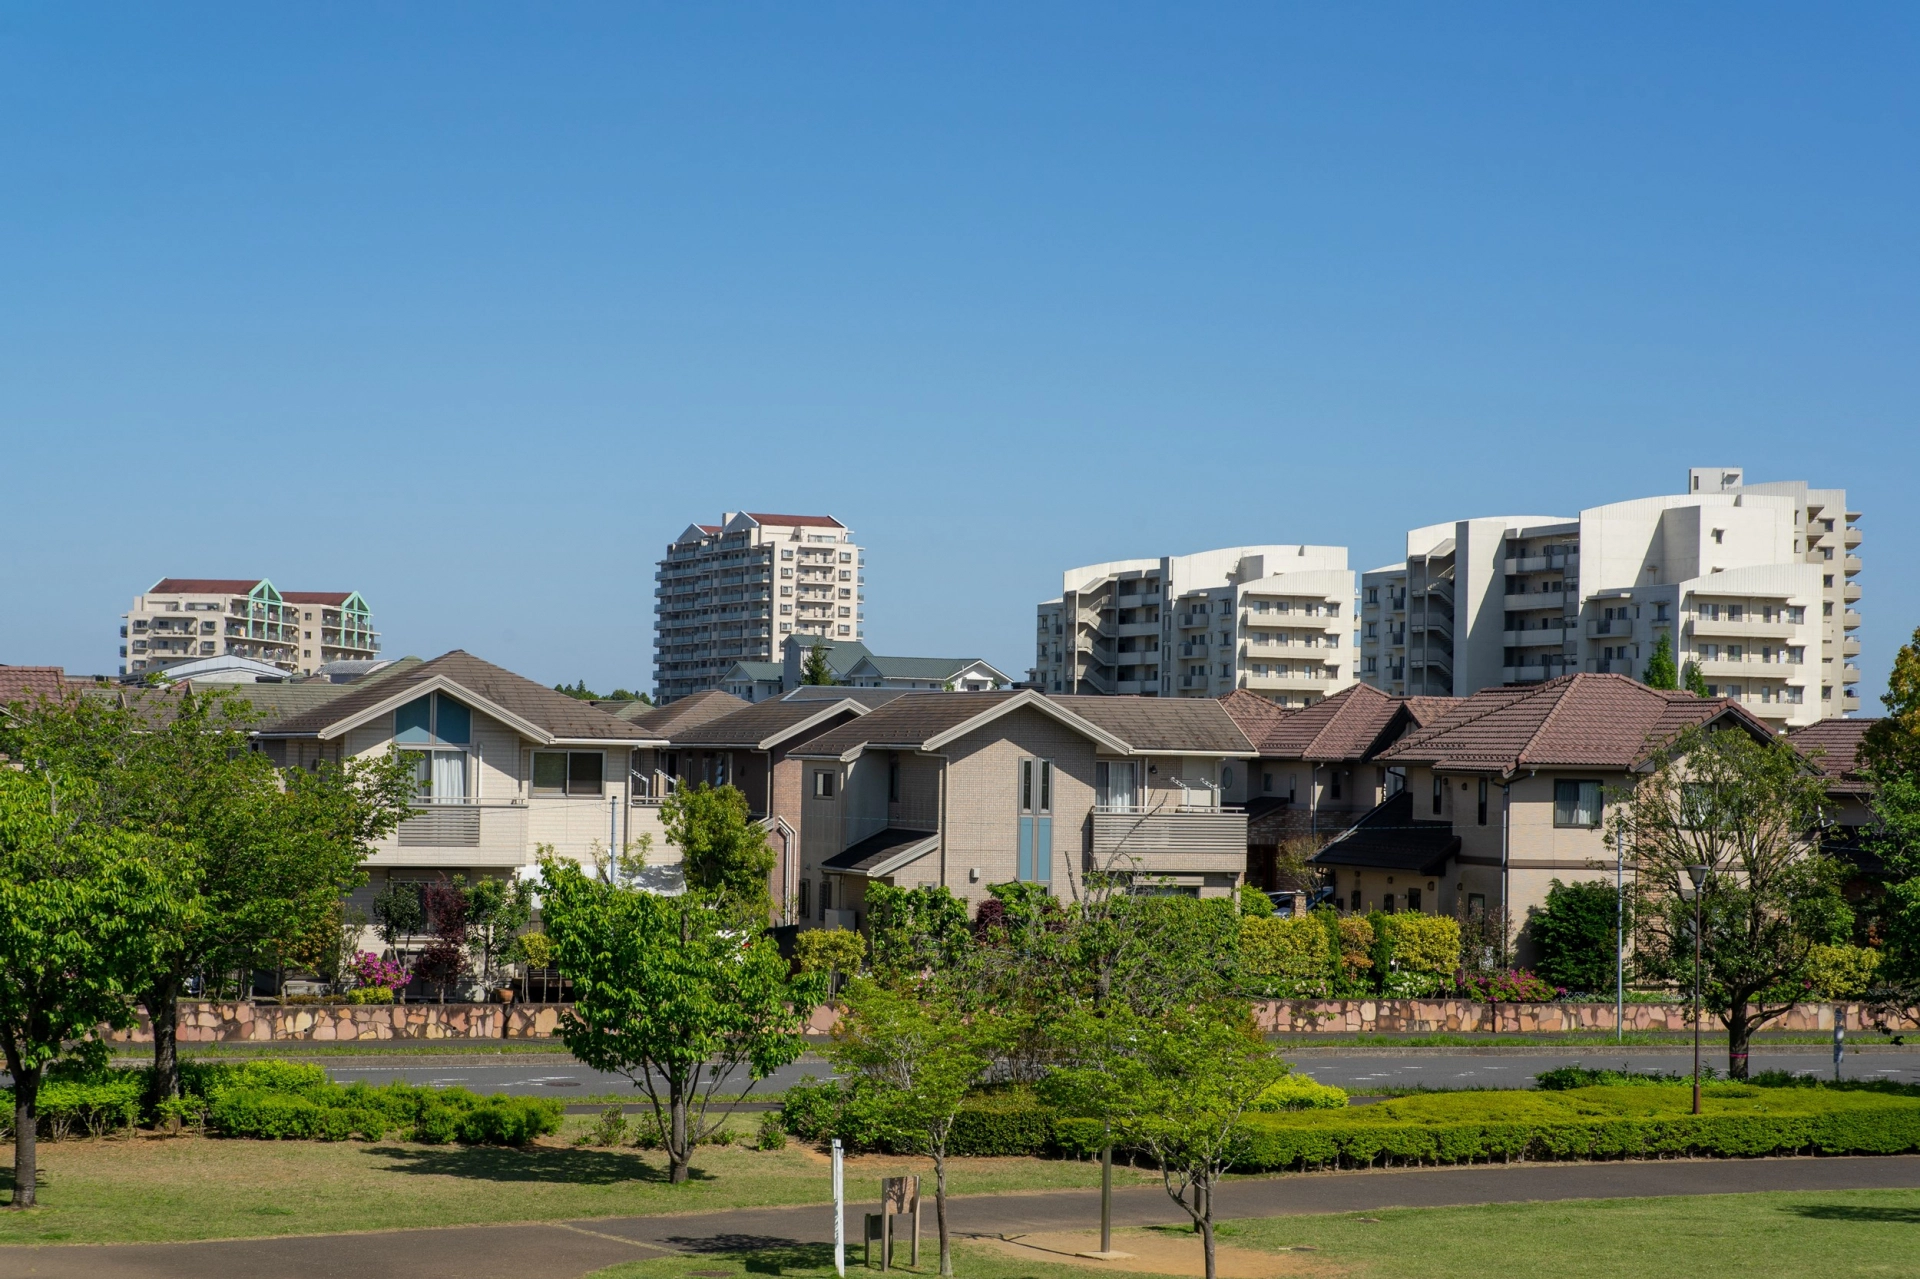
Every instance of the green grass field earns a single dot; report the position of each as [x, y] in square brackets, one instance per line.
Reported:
[1837, 1235]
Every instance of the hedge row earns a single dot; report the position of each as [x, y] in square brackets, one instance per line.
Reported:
[94, 1107]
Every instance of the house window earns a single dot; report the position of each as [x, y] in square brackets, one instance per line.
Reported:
[1413, 899]
[826, 896]
[569, 773]
[435, 720]
[1476, 904]
[1113, 784]
[1483, 801]
[1335, 780]
[1266, 783]
[893, 780]
[1576, 803]
[1439, 787]
[1035, 784]
[801, 902]
[823, 784]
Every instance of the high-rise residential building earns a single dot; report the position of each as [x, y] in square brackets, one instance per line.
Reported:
[1275, 620]
[1751, 582]
[185, 619]
[734, 591]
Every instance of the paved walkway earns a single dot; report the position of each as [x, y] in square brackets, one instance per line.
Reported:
[567, 1250]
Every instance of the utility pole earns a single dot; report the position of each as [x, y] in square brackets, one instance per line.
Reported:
[839, 1211]
[1698, 874]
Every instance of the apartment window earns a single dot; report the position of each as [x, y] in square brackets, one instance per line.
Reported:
[1035, 783]
[785, 608]
[1439, 788]
[826, 896]
[1796, 654]
[1660, 611]
[1719, 536]
[786, 572]
[305, 652]
[1826, 610]
[823, 783]
[1113, 784]
[845, 630]
[1483, 801]
[1796, 614]
[209, 626]
[572, 773]
[1576, 803]
[1334, 784]
[1373, 595]
[786, 553]
[1266, 783]
[1826, 553]
[893, 780]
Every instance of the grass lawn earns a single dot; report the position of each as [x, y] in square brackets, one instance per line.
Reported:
[1835, 1235]
[152, 1188]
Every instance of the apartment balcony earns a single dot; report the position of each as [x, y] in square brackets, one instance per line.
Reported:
[1195, 681]
[1851, 593]
[1849, 647]
[1193, 648]
[1852, 537]
[1745, 628]
[1543, 563]
[1849, 674]
[1140, 628]
[1852, 620]
[1610, 665]
[1536, 674]
[1533, 601]
[1170, 840]
[469, 833]
[1545, 637]
[1397, 638]
[1292, 683]
[1193, 621]
[1614, 627]
[1398, 603]
[1751, 667]
[1853, 565]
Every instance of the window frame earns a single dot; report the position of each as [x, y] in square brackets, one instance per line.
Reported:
[1572, 808]
[566, 790]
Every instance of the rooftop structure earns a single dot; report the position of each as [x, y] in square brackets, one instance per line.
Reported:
[184, 619]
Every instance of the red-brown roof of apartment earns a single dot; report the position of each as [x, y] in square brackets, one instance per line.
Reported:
[1428, 711]
[1833, 747]
[1345, 726]
[803, 521]
[204, 585]
[315, 597]
[30, 683]
[1598, 721]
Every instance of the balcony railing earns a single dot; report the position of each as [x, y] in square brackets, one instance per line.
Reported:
[1170, 840]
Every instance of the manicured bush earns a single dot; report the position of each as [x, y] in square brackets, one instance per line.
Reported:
[1013, 1122]
[1427, 944]
[93, 1107]
[1561, 1078]
[1842, 972]
[1285, 958]
[1300, 1092]
[330, 1112]
[1575, 932]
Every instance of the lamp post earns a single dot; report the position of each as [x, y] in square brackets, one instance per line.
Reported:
[1698, 874]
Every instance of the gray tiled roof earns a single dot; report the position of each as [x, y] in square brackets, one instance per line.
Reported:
[755, 723]
[1177, 725]
[682, 713]
[1390, 838]
[555, 713]
[905, 722]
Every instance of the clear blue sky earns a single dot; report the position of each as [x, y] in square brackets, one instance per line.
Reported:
[470, 308]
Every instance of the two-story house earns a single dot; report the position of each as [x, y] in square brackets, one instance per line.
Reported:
[1509, 791]
[967, 790]
[504, 765]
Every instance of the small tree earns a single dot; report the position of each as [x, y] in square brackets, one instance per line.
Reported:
[916, 931]
[1575, 933]
[398, 912]
[724, 851]
[84, 916]
[1695, 682]
[1748, 811]
[916, 1052]
[831, 952]
[1661, 672]
[444, 961]
[497, 909]
[816, 670]
[671, 993]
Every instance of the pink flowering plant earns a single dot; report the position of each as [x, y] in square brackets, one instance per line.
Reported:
[1515, 986]
[369, 969]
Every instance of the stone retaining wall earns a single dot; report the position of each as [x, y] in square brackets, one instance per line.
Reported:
[1429, 1016]
[208, 1021]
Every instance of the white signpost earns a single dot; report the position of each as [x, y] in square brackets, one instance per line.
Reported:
[839, 1212]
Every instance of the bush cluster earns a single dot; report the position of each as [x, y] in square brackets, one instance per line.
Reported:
[1322, 955]
[1000, 1121]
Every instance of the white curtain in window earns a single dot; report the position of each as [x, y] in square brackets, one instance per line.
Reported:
[449, 776]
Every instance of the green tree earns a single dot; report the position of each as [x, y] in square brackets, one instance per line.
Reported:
[831, 952]
[497, 909]
[1661, 672]
[578, 691]
[1177, 1086]
[668, 993]
[84, 914]
[1891, 747]
[916, 931]
[1254, 903]
[724, 851]
[816, 670]
[398, 912]
[1748, 810]
[1575, 932]
[916, 1052]
[1694, 681]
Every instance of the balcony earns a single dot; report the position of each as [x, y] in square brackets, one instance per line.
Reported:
[1195, 681]
[1531, 601]
[1751, 667]
[1853, 537]
[1853, 565]
[1849, 647]
[1290, 683]
[1851, 593]
[470, 833]
[1537, 673]
[1193, 621]
[1619, 627]
[1545, 637]
[1170, 840]
[1851, 621]
[1543, 563]
[1849, 674]
[1193, 648]
[1610, 666]
[1745, 628]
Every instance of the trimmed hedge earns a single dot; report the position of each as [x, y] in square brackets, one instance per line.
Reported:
[91, 1106]
[335, 1113]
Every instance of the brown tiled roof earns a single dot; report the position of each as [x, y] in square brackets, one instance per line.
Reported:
[315, 597]
[797, 521]
[1833, 746]
[1256, 715]
[204, 585]
[31, 683]
[1347, 725]
[754, 723]
[556, 713]
[1177, 725]
[1427, 711]
[1576, 721]
[1389, 838]
[685, 712]
[905, 722]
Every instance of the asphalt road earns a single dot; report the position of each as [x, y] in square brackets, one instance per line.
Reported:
[559, 1075]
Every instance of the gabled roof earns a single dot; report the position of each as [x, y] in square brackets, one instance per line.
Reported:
[533, 710]
[799, 521]
[1390, 838]
[1352, 724]
[205, 586]
[31, 683]
[927, 668]
[1833, 747]
[1576, 721]
[761, 726]
[1427, 711]
[1165, 725]
[754, 671]
[316, 597]
[884, 853]
[682, 713]
[928, 721]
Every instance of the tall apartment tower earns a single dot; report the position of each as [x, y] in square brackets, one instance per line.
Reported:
[1752, 582]
[734, 591]
[1276, 620]
[185, 619]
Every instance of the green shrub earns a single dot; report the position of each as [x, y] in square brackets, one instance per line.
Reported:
[1285, 958]
[810, 1109]
[1842, 972]
[1423, 944]
[1575, 932]
[331, 1112]
[1300, 1092]
[370, 995]
[770, 1136]
[109, 1102]
[209, 1078]
[1561, 1078]
[1254, 904]
[1009, 1122]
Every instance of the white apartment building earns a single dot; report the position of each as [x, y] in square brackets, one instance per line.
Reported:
[1751, 582]
[1275, 620]
[186, 619]
[734, 591]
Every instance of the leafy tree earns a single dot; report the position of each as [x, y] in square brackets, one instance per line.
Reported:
[816, 670]
[916, 1052]
[724, 851]
[444, 961]
[578, 691]
[497, 909]
[671, 993]
[1694, 681]
[916, 931]
[628, 695]
[1575, 933]
[831, 952]
[1661, 672]
[84, 916]
[1891, 747]
[1177, 1086]
[271, 852]
[1254, 904]
[1748, 811]
[398, 912]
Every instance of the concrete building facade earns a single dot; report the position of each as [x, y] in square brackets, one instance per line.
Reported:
[185, 619]
[1275, 620]
[734, 591]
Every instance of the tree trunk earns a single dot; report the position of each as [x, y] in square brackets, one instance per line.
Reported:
[679, 1156]
[1204, 1190]
[162, 1002]
[940, 1208]
[26, 1112]
[1739, 1035]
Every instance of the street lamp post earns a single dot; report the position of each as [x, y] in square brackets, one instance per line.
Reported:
[1698, 874]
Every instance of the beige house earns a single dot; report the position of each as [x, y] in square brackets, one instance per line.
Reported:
[967, 790]
[504, 765]
[1509, 791]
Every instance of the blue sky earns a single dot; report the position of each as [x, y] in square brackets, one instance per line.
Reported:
[470, 308]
